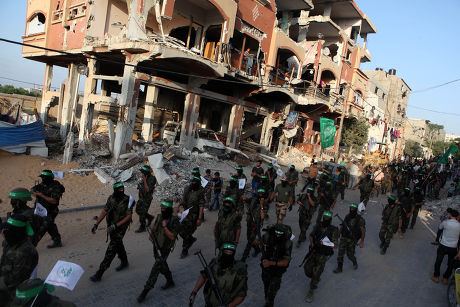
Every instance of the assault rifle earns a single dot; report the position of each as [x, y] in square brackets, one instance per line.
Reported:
[211, 277]
[156, 246]
[348, 228]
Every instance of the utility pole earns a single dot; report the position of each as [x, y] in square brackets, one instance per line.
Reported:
[342, 117]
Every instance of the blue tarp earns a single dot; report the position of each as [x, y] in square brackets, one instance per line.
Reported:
[17, 135]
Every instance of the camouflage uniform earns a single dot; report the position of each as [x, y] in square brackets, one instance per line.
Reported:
[117, 209]
[38, 223]
[306, 212]
[418, 201]
[348, 240]
[166, 245]
[283, 195]
[55, 191]
[145, 198]
[16, 265]
[236, 194]
[390, 220]
[314, 266]
[341, 184]
[291, 175]
[275, 251]
[227, 226]
[325, 203]
[232, 282]
[193, 200]
[406, 208]
[365, 188]
[254, 223]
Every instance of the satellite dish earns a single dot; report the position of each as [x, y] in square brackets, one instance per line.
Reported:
[326, 51]
[336, 58]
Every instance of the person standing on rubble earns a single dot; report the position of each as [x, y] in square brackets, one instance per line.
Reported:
[145, 188]
[193, 201]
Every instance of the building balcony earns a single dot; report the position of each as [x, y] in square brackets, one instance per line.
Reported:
[314, 95]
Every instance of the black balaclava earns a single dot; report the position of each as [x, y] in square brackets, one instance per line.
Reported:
[226, 260]
[227, 208]
[14, 235]
[326, 221]
[166, 213]
[233, 183]
[18, 204]
[119, 192]
[353, 212]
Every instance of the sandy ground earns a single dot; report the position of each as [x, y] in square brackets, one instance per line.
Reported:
[23, 171]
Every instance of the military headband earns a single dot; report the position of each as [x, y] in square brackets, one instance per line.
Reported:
[310, 189]
[33, 292]
[229, 246]
[408, 189]
[279, 232]
[196, 178]
[354, 206]
[146, 168]
[328, 182]
[261, 191]
[264, 177]
[391, 197]
[270, 166]
[17, 195]
[45, 173]
[118, 185]
[328, 214]
[234, 179]
[166, 204]
[11, 221]
[195, 171]
[230, 200]
[239, 168]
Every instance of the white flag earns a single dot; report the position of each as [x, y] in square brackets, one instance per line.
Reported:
[34, 273]
[361, 207]
[204, 182]
[40, 210]
[58, 174]
[327, 242]
[292, 237]
[131, 200]
[183, 215]
[241, 183]
[64, 274]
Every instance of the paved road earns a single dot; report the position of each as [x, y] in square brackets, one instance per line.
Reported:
[400, 278]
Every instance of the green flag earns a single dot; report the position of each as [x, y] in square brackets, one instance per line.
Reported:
[446, 155]
[327, 132]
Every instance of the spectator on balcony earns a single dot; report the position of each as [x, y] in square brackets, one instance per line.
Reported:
[249, 57]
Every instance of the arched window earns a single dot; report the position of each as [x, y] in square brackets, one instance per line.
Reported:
[36, 24]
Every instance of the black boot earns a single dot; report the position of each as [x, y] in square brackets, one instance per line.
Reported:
[55, 244]
[96, 277]
[142, 296]
[383, 251]
[339, 268]
[355, 265]
[169, 282]
[124, 264]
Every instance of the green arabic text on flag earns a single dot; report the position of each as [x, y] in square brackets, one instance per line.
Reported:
[448, 152]
[328, 130]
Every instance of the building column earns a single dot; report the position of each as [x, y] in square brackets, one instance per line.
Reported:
[70, 95]
[150, 106]
[309, 131]
[86, 119]
[128, 107]
[190, 118]
[45, 105]
[235, 125]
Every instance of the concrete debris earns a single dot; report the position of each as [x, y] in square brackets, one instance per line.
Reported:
[437, 207]
[296, 157]
[103, 176]
[125, 175]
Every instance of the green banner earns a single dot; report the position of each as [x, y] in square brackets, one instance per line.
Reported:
[328, 130]
[446, 155]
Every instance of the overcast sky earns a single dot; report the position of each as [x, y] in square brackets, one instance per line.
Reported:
[419, 38]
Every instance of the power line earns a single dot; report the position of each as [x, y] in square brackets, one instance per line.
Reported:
[429, 110]
[25, 82]
[434, 87]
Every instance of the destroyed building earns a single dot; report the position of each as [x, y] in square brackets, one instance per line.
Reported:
[253, 71]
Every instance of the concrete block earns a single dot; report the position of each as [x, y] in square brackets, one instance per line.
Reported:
[39, 151]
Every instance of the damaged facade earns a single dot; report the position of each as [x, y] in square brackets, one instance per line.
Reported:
[252, 71]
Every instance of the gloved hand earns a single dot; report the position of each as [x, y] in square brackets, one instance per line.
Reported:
[112, 227]
[93, 230]
[191, 299]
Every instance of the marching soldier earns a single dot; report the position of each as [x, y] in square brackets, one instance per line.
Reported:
[230, 276]
[34, 292]
[234, 192]
[391, 220]
[254, 219]
[192, 200]
[418, 201]
[284, 198]
[307, 207]
[366, 185]
[48, 193]
[320, 251]
[342, 183]
[145, 189]
[164, 233]
[405, 202]
[228, 225]
[118, 214]
[292, 176]
[352, 230]
[326, 200]
[275, 260]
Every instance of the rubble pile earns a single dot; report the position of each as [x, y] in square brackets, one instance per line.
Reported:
[437, 207]
[296, 157]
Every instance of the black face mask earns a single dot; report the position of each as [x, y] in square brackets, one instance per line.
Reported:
[326, 223]
[195, 186]
[14, 235]
[118, 193]
[166, 213]
[232, 184]
[226, 261]
[353, 212]
[239, 172]
[227, 209]
[17, 204]
[47, 180]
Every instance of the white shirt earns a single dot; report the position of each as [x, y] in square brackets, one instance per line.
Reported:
[353, 169]
[451, 232]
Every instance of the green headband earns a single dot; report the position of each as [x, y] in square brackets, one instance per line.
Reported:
[408, 189]
[33, 292]
[16, 223]
[279, 232]
[328, 214]
[234, 179]
[239, 168]
[354, 206]
[310, 189]
[166, 204]
[392, 197]
[146, 168]
[292, 166]
[196, 171]
[196, 178]
[328, 182]
[230, 199]
[263, 177]
[270, 166]
[18, 195]
[43, 173]
[261, 191]
[118, 185]
[229, 246]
